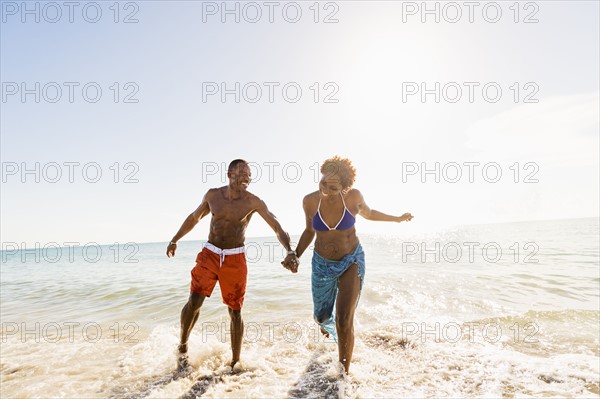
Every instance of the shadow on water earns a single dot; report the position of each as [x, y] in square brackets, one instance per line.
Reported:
[149, 385]
[202, 384]
[205, 382]
[314, 381]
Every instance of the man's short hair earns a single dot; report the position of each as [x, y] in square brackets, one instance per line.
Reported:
[233, 164]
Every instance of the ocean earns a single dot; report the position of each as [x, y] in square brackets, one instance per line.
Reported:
[495, 311]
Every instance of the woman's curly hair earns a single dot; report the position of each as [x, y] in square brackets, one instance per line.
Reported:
[343, 168]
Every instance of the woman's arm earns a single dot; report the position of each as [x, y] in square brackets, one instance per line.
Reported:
[372, 214]
[309, 233]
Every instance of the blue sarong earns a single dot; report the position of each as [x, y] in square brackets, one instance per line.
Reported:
[325, 278]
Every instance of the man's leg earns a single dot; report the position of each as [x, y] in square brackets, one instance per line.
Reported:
[237, 333]
[189, 316]
[348, 291]
[232, 279]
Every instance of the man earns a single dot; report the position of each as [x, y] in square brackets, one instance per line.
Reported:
[222, 257]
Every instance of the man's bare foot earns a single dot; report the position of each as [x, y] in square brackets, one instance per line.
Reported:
[233, 363]
[183, 363]
[325, 333]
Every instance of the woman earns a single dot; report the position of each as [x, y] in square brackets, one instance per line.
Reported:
[338, 263]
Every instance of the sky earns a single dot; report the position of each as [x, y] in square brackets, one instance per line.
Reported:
[117, 117]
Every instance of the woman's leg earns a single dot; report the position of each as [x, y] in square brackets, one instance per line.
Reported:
[347, 298]
[324, 290]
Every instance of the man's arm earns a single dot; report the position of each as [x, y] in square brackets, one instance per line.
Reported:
[282, 236]
[189, 223]
[372, 214]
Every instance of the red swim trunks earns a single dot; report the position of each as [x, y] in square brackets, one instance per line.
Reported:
[227, 266]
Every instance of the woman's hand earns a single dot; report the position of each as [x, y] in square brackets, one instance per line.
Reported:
[407, 216]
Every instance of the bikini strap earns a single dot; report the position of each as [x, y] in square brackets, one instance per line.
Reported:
[343, 202]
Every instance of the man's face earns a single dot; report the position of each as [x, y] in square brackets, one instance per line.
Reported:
[240, 177]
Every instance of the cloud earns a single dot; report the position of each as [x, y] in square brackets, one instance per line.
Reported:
[561, 130]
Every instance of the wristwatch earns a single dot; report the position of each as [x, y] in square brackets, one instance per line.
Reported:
[172, 243]
[290, 252]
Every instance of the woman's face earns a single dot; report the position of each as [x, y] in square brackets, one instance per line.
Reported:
[330, 185]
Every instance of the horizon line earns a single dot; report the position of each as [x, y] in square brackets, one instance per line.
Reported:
[273, 236]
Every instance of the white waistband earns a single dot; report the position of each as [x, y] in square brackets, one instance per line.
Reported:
[228, 251]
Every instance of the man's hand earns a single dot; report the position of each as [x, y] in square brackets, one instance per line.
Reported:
[171, 249]
[291, 263]
[407, 216]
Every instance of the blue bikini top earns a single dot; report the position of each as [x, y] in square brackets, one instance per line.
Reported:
[345, 223]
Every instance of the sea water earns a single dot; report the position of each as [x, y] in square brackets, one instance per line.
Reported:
[503, 310]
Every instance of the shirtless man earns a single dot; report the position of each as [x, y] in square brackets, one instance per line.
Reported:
[222, 257]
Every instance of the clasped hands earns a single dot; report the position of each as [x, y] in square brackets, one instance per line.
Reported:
[291, 262]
